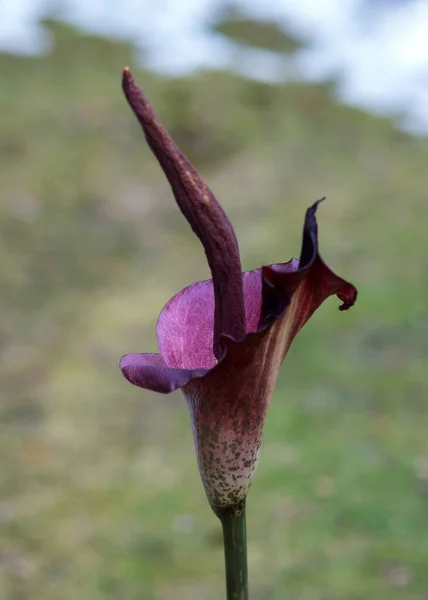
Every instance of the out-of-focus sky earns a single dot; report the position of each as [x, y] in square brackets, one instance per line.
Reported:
[382, 58]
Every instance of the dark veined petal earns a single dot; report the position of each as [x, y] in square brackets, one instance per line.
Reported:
[204, 214]
[185, 324]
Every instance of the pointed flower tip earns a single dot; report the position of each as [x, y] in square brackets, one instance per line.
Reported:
[127, 81]
[311, 211]
[135, 96]
[126, 74]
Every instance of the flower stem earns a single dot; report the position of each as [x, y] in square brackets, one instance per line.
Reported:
[235, 550]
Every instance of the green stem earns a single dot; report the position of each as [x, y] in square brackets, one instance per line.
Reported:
[235, 550]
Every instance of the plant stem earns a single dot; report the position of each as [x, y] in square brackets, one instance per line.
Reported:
[235, 550]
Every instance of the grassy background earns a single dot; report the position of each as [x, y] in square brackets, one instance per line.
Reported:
[101, 497]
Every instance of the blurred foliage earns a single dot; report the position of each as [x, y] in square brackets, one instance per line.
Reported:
[101, 497]
[243, 30]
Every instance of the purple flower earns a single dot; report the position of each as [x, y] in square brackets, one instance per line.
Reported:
[222, 341]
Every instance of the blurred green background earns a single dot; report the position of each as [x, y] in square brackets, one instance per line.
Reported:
[101, 496]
